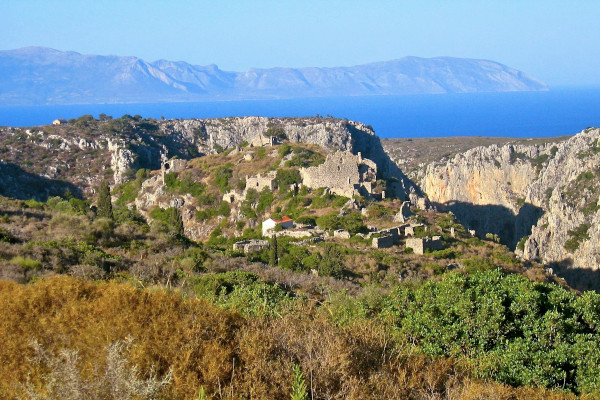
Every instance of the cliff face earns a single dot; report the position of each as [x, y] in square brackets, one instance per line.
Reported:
[547, 193]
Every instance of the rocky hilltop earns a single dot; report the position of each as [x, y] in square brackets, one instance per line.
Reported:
[543, 199]
[37, 75]
[86, 151]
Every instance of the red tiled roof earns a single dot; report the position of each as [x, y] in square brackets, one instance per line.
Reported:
[285, 218]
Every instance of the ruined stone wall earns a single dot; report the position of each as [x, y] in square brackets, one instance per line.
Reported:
[383, 242]
[417, 244]
[259, 182]
[342, 172]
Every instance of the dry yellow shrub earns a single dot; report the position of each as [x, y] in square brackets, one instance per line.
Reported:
[207, 347]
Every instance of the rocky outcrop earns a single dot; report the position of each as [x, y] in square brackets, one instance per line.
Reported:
[87, 151]
[547, 194]
[213, 135]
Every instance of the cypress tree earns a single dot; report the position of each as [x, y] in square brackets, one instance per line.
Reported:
[273, 255]
[175, 221]
[104, 201]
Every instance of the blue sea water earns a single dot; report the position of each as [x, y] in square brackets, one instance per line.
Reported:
[561, 111]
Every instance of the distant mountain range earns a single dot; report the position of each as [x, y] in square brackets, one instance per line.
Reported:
[38, 75]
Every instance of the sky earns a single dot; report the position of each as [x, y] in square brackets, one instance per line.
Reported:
[557, 42]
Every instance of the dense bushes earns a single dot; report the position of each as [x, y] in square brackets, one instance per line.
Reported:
[509, 328]
[99, 336]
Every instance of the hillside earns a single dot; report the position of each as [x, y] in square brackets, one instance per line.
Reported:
[255, 257]
[36, 75]
[86, 151]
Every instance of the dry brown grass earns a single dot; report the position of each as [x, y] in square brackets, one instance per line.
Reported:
[205, 347]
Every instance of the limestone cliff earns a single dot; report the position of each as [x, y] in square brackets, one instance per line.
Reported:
[546, 193]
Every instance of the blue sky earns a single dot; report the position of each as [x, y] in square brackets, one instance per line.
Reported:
[555, 41]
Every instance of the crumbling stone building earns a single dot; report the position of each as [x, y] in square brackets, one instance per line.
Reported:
[259, 182]
[344, 173]
[256, 182]
[173, 165]
[419, 245]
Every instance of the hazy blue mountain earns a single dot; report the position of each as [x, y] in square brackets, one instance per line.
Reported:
[37, 75]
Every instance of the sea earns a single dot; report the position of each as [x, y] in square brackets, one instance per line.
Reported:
[559, 111]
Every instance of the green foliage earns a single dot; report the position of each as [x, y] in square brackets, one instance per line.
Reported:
[299, 390]
[242, 291]
[287, 177]
[224, 209]
[170, 218]
[331, 263]
[293, 260]
[34, 204]
[521, 244]
[329, 222]
[437, 269]
[184, 185]
[26, 264]
[275, 131]
[577, 235]
[445, 253]
[104, 207]
[304, 158]
[515, 155]
[222, 175]
[540, 160]
[284, 150]
[477, 264]
[261, 153]
[493, 237]
[306, 220]
[511, 329]
[273, 253]
[175, 221]
[585, 176]
[264, 201]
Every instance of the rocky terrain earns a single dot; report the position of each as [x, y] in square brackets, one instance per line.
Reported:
[412, 155]
[36, 75]
[86, 151]
[541, 198]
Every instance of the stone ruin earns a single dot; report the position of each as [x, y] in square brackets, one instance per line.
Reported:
[404, 213]
[256, 182]
[249, 246]
[383, 242]
[344, 173]
[342, 234]
[173, 165]
[259, 182]
[388, 238]
[419, 245]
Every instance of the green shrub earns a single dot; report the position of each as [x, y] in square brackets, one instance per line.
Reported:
[242, 291]
[26, 264]
[287, 177]
[445, 253]
[577, 235]
[521, 244]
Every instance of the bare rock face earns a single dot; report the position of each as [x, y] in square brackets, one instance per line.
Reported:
[546, 195]
[568, 233]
